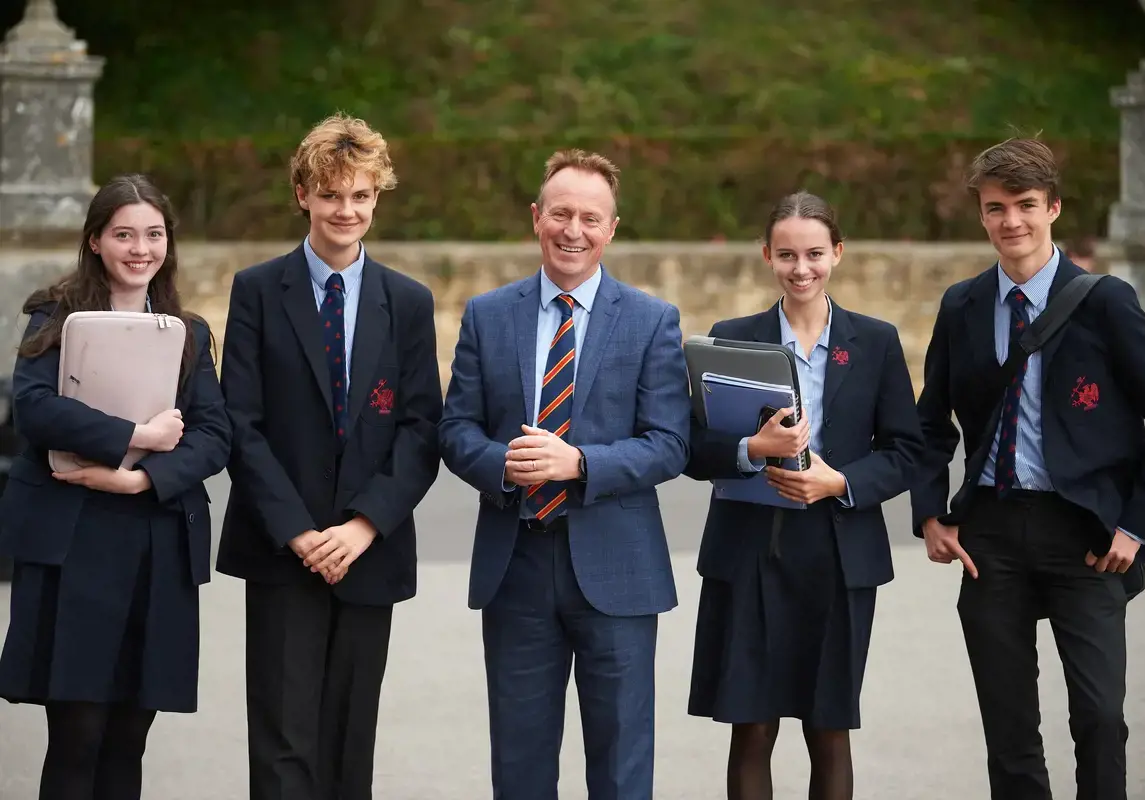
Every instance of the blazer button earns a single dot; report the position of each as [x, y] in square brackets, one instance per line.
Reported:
[830, 452]
[827, 422]
[328, 473]
[190, 518]
[838, 517]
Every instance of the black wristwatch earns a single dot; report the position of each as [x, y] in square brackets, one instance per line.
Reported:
[583, 477]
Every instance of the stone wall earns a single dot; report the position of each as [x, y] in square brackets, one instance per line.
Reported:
[898, 282]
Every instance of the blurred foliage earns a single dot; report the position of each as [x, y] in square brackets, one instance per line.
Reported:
[714, 107]
[678, 188]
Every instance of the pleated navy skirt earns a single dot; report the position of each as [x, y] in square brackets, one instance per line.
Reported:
[117, 622]
[786, 638]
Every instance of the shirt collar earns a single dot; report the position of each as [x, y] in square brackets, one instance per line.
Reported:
[320, 271]
[788, 335]
[583, 294]
[1037, 288]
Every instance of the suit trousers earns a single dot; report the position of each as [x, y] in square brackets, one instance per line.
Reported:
[1030, 550]
[538, 628]
[314, 668]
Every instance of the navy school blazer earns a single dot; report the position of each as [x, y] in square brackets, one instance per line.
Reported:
[871, 434]
[39, 514]
[1093, 402]
[288, 472]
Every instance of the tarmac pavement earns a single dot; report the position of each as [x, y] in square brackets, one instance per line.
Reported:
[921, 737]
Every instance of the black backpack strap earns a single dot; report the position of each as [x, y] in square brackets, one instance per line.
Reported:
[1048, 324]
[1058, 313]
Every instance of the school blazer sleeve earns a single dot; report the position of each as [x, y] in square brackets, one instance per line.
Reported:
[389, 498]
[51, 422]
[253, 464]
[1125, 334]
[931, 492]
[897, 443]
[713, 455]
[206, 444]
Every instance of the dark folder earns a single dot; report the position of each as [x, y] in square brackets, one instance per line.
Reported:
[736, 407]
[760, 362]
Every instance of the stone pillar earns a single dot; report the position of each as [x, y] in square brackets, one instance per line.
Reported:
[46, 111]
[1127, 217]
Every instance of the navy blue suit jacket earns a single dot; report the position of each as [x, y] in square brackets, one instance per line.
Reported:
[39, 514]
[629, 417]
[1093, 401]
[870, 433]
[287, 474]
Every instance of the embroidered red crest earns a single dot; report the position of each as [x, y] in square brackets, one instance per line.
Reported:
[381, 398]
[840, 356]
[1085, 395]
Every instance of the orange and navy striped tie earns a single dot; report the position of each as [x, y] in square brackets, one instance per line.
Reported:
[546, 499]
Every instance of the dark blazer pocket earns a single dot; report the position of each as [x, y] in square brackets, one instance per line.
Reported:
[37, 515]
[16, 504]
[197, 519]
[24, 491]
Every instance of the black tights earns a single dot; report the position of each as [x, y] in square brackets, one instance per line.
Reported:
[95, 752]
[749, 762]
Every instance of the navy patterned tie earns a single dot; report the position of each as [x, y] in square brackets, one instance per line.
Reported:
[1005, 463]
[545, 499]
[334, 339]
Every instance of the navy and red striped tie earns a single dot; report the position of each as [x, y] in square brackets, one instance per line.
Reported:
[546, 499]
[1006, 462]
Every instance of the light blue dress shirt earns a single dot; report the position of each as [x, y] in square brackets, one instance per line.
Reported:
[812, 373]
[548, 321]
[1030, 470]
[320, 272]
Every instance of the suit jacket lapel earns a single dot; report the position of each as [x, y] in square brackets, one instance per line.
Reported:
[842, 351]
[371, 333]
[979, 309]
[302, 311]
[767, 326]
[979, 320]
[525, 312]
[601, 321]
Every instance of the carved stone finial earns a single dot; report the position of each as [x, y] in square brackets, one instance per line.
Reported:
[46, 118]
[40, 35]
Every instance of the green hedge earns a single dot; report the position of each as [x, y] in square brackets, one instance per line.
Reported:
[679, 188]
[713, 107]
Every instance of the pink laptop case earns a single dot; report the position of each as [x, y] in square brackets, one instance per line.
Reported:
[122, 363]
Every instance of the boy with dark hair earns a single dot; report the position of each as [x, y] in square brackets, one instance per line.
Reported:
[1050, 512]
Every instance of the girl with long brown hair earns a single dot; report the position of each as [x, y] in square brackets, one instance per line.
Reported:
[108, 560]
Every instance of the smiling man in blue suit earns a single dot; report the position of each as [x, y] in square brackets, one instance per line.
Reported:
[568, 404]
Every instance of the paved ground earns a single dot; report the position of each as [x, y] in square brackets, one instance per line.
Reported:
[920, 740]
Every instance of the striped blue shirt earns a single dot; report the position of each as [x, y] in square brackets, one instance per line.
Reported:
[1030, 467]
[549, 320]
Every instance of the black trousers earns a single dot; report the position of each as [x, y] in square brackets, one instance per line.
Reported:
[314, 668]
[1030, 552]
